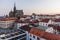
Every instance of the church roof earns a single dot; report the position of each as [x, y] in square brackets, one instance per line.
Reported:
[19, 11]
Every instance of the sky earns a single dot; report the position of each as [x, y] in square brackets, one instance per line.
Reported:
[30, 6]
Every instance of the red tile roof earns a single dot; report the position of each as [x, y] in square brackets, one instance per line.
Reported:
[37, 32]
[57, 20]
[23, 16]
[52, 36]
[34, 21]
[46, 35]
[54, 26]
[45, 20]
[26, 28]
[7, 19]
[19, 21]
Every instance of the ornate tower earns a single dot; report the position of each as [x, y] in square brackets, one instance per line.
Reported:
[14, 10]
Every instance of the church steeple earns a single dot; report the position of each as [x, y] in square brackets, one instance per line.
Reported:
[14, 10]
[14, 7]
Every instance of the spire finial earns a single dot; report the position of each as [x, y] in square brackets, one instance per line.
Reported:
[14, 6]
[14, 9]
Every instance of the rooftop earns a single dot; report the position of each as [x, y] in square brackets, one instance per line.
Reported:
[54, 26]
[45, 20]
[43, 34]
[10, 30]
[42, 27]
[7, 19]
[56, 20]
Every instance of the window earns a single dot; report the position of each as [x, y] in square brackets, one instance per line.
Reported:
[30, 39]
[33, 36]
[38, 38]
[3, 38]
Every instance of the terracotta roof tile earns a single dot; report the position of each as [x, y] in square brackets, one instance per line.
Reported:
[45, 20]
[26, 28]
[34, 21]
[37, 32]
[54, 26]
[56, 20]
[52, 36]
[7, 19]
[46, 35]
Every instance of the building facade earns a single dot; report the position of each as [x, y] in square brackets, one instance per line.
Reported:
[6, 22]
[15, 13]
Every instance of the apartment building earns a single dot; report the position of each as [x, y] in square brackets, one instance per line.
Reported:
[7, 22]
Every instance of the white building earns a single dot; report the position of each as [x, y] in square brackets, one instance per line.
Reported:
[56, 21]
[46, 29]
[34, 37]
[21, 23]
[45, 22]
[6, 22]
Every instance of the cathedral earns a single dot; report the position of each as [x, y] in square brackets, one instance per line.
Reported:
[15, 13]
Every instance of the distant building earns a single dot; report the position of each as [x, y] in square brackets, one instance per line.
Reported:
[15, 13]
[45, 22]
[33, 15]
